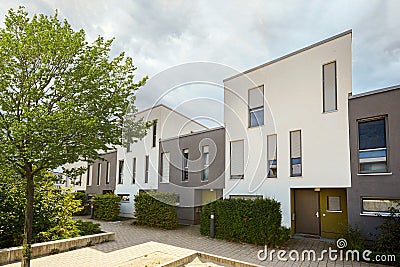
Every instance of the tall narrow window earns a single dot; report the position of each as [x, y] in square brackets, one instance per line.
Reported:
[146, 172]
[121, 172]
[372, 145]
[237, 159]
[256, 106]
[128, 148]
[206, 164]
[80, 180]
[165, 167]
[98, 173]
[329, 87]
[154, 134]
[272, 156]
[108, 172]
[295, 153]
[185, 166]
[134, 171]
[89, 175]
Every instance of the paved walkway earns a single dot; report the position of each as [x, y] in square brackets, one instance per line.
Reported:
[135, 241]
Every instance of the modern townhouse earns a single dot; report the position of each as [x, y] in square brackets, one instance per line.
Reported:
[374, 120]
[287, 135]
[77, 184]
[101, 174]
[137, 164]
[193, 167]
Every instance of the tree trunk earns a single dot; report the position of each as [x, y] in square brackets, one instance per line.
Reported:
[26, 256]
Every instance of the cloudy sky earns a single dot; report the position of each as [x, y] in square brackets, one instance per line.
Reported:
[237, 35]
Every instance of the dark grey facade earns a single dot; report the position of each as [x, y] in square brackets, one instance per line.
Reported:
[195, 170]
[375, 161]
[105, 181]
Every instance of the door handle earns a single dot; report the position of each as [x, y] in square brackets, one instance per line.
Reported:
[317, 214]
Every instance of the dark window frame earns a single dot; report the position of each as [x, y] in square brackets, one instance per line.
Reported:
[301, 154]
[89, 173]
[108, 165]
[185, 165]
[121, 171]
[154, 141]
[146, 170]
[134, 170]
[205, 174]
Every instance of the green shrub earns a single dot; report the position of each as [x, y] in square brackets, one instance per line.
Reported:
[84, 203]
[88, 228]
[251, 221]
[149, 210]
[106, 207]
[387, 242]
[354, 237]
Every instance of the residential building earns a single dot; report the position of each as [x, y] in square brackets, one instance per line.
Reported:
[374, 121]
[138, 163]
[287, 135]
[77, 184]
[101, 174]
[193, 167]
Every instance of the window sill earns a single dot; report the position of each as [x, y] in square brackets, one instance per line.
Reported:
[378, 214]
[164, 182]
[204, 181]
[375, 174]
[331, 111]
[186, 181]
[294, 177]
[334, 211]
[274, 177]
[255, 127]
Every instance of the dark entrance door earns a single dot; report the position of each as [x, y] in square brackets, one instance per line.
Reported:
[307, 211]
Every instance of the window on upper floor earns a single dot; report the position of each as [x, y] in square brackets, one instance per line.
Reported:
[272, 156]
[146, 170]
[154, 143]
[165, 167]
[185, 165]
[237, 159]
[206, 163]
[108, 172]
[89, 175]
[372, 145]
[98, 173]
[121, 172]
[329, 87]
[256, 106]
[133, 170]
[295, 153]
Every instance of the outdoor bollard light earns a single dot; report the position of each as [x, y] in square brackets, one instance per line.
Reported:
[91, 212]
[212, 224]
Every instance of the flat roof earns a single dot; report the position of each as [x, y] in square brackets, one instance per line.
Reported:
[193, 133]
[290, 54]
[377, 91]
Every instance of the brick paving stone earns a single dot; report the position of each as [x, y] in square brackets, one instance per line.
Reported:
[135, 241]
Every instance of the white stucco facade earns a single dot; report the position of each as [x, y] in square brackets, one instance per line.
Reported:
[169, 124]
[79, 184]
[293, 100]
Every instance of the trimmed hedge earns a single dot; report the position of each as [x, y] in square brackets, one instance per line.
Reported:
[250, 221]
[106, 207]
[84, 203]
[149, 210]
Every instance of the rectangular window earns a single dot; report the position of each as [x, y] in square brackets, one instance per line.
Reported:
[334, 204]
[89, 175]
[124, 197]
[146, 171]
[272, 156]
[329, 87]
[372, 145]
[98, 173]
[379, 206]
[121, 172]
[154, 134]
[185, 165]
[108, 173]
[134, 171]
[80, 180]
[165, 167]
[206, 164]
[256, 106]
[237, 159]
[295, 153]
[128, 148]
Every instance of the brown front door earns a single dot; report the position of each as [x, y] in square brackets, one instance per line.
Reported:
[307, 211]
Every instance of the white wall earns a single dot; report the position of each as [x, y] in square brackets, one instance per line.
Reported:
[169, 124]
[293, 100]
[70, 183]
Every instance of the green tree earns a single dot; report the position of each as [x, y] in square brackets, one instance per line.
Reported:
[61, 99]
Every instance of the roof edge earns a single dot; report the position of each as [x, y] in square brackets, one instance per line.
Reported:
[290, 54]
[376, 91]
[193, 133]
